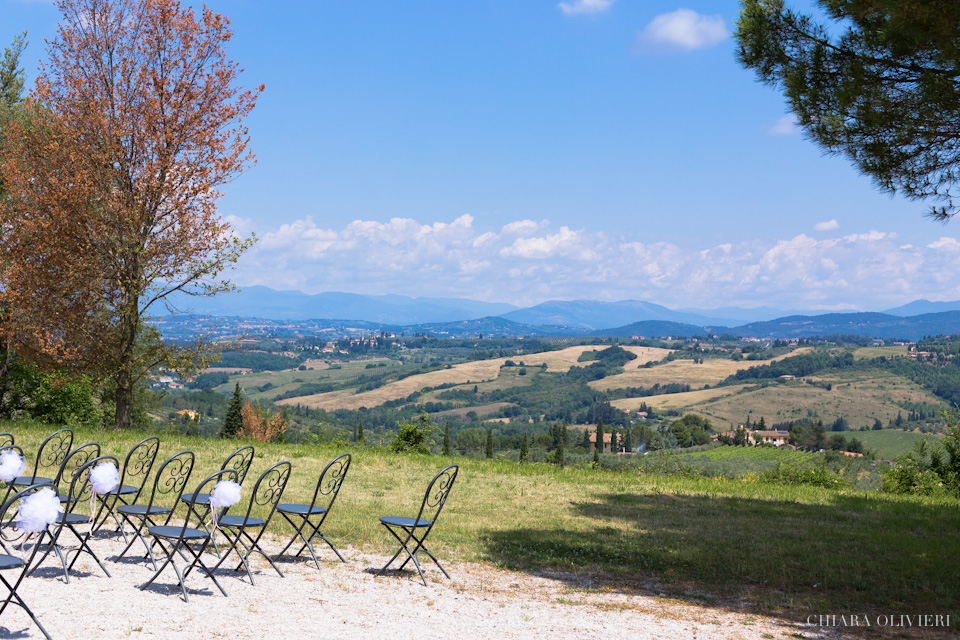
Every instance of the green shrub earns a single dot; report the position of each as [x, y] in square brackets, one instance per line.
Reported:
[817, 476]
[412, 437]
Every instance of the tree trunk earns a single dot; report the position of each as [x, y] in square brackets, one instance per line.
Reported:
[125, 375]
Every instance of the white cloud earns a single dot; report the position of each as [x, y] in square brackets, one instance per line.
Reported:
[829, 225]
[682, 30]
[580, 7]
[947, 244]
[785, 126]
[525, 262]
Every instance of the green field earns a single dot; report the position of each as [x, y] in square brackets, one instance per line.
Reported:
[770, 454]
[891, 443]
[290, 379]
[784, 550]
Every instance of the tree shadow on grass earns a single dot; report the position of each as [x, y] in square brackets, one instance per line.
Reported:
[851, 555]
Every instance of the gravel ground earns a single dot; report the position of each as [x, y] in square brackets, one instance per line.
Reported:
[348, 601]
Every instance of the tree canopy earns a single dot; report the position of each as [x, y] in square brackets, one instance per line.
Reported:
[133, 125]
[875, 80]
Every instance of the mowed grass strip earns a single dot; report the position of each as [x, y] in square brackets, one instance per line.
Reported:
[789, 550]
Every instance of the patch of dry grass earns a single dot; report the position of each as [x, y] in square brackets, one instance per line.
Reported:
[710, 371]
[860, 401]
[485, 372]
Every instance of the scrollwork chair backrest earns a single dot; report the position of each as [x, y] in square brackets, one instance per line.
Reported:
[138, 463]
[52, 452]
[72, 463]
[80, 485]
[6, 439]
[269, 488]
[328, 487]
[437, 494]
[170, 481]
[240, 461]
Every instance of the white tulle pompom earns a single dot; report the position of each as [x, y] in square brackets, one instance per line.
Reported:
[11, 465]
[104, 477]
[225, 494]
[38, 510]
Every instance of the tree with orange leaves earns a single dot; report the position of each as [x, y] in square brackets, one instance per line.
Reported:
[134, 124]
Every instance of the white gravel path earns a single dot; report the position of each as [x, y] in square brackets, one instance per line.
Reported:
[348, 601]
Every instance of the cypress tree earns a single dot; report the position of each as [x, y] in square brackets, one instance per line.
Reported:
[596, 457]
[489, 443]
[600, 442]
[446, 439]
[628, 439]
[524, 450]
[559, 454]
[585, 443]
[233, 421]
[361, 438]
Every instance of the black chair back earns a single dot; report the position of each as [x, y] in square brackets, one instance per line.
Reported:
[328, 487]
[6, 439]
[437, 494]
[269, 488]
[171, 479]
[74, 460]
[240, 461]
[80, 486]
[138, 463]
[52, 453]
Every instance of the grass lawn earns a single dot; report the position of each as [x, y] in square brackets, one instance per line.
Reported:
[891, 443]
[791, 551]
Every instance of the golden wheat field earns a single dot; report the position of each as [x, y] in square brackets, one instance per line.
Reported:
[860, 401]
[464, 373]
[710, 371]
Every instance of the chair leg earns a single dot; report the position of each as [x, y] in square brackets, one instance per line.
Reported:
[233, 547]
[403, 547]
[198, 562]
[84, 546]
[255, 546]
[22, 605]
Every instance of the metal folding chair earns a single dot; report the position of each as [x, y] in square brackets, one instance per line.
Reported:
[9, 561]
[415, 530]
[168, 485]
[50, 456]
[310, 517]
[266, 492]
[133, 478]
[78, 496]
[6, 439]
[70, 465]
[185, 539]
[199, 506]
[7, 533]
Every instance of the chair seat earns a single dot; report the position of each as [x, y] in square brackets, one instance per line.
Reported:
[240, 521]
[300, 509]
[124, 490]
[141, 510]
[10, 562]
[202, 498]
[26, 481]
[404, 522]
[73, 518]
[174, 532]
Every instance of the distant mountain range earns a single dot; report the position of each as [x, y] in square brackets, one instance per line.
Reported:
[463, 317]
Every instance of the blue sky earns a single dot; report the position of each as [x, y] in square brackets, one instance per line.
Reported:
[525, 151]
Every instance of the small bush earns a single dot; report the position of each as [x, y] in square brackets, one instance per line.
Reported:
[412, 437]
